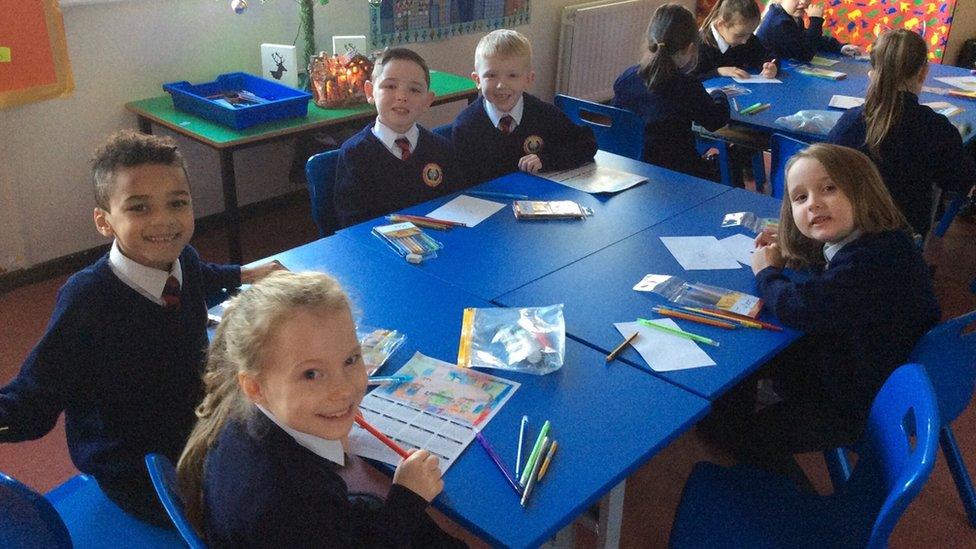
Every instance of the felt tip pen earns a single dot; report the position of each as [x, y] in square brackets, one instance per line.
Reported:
[533, 476]
[518, 452]
[381, 437]
[498, 462]
[750, 107]
[534, 455]
[760, 109]
[677, 332]
[389, 380]
[493, 194]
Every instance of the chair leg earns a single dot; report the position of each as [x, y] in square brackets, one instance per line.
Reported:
[950, 213]
[759, 171]
[838, 466]
[957, 467]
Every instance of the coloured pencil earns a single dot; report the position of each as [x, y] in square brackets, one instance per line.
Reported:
[742, 318]
[750, 107]
[533, 475]
[381, 437]
[534, 455]
[545, 464]
[760, 108]
[420, 223]
[679, 333]
[498, 462]
[493, 194]
[616, 351]
[721, 314]
[695, 318]
[518, 452]
[426, 219]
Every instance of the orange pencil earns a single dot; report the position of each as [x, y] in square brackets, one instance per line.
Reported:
[381, 437]
[695, 318]
[737, 317]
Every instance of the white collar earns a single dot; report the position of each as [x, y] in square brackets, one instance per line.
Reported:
[388, 137]
[496, 115]
[324, 448]
[723, 46]
[145, 280]
[830, 250]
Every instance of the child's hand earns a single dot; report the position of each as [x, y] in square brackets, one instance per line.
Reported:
[733, 72]
[250, 275]
[815, 10]
[850, 50]
[767, 256]
[419, 473]
[530, 163]
[769, 69]
[766, 237]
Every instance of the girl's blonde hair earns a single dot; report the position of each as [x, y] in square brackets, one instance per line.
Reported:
[857, 177]
[897, 57]
[730, 11]
[671, 30]
[249, 322]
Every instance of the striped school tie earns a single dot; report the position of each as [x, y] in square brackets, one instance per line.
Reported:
[506, 124]
[171, 293]
[404, 144]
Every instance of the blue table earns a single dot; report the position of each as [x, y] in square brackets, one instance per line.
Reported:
[801, 92]
[608, 420]
[502, 254]
[598, 291]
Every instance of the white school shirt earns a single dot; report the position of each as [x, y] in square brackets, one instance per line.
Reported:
[324, 448]
[723, 46]
[146, 280]
[830, 250]
[496, 115]
[388, 137]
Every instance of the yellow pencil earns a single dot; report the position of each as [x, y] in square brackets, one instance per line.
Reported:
[545, 464]
[613, 354]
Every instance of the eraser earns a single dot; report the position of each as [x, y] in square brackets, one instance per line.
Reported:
[414, 259]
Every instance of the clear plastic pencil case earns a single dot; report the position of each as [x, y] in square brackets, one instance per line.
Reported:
[529, 340]
[406, 238]
[696, 294]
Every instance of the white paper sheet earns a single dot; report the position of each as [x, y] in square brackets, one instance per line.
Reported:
[699, 253]
[944, 108]
[845, 101]
[592, 178]
[740, 247]
[662, 351]
[967, 83]
[756, 79]
[466, 209]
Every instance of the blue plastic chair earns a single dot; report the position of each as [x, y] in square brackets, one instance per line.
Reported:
[949, 354]
[320, 175]
[93, 520]
[743, 506]
[27, 520]
[618, 131]
[950, 214]
[163, 476]
[782, 148]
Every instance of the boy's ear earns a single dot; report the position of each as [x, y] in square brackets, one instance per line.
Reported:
[102, 225]
[531, 77]
[476, 78]
[251, 388]
[430, 100]
[368, 88]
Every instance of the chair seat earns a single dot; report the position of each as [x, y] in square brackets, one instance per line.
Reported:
[743, 506]
[93, 520]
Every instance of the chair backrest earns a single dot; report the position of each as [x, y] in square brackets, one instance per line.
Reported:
[320, 175]
[896, 458]
[948, 353]
[163, 476]
[782, 148]
[616, 130]
[27, 519]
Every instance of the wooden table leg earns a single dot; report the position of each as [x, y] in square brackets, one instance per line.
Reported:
[232, 216]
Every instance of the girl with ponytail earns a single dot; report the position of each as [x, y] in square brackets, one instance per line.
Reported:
[913, 147]
[262, 467]
[660, 90]
[729, 47]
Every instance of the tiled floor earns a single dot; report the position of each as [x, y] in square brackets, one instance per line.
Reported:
[935, 519]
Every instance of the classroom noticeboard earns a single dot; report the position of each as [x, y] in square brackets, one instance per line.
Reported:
[33, 52]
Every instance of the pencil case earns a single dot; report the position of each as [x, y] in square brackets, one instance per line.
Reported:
[696, 294]
[530, 340]
[406, 238]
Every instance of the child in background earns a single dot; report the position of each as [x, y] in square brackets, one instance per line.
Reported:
[868, 301]
[394, 163]
[284, 380]
[728, 45]
[783, 33]
[661, 92]
[507, 129]
[912, 146]
[123, 352]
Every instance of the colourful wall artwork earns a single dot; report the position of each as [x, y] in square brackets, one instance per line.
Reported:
[395, 22]
[33, 53]
[861, 21]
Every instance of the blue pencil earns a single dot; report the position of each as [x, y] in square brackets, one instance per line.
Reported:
[498, 461]
[492, 194]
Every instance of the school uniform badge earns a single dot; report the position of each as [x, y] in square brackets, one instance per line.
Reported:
[532, 144]
[433, 174]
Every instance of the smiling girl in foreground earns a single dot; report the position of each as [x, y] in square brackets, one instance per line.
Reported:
[262, 467]
[868, 300]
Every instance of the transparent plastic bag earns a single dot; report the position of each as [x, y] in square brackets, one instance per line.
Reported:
[812, 121]
[750, 221]
[530, 340]
[697, 294]
[378, 344]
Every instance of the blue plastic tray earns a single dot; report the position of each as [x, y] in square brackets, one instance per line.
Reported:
[201, 100]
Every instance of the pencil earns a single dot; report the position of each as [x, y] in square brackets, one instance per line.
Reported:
[534, 455]
[388, 380]
[695, 318]
[381, 437]
[533, 475]
[760, 108]
[493, 194]
[721, 314]
[750, 107]
[616, 351]
[545, 464]
[518, 453]
[741, 318]
[424, 218]
[498, 461]
[679, 333]
[420, 223]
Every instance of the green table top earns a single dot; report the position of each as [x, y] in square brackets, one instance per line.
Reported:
[446, 87]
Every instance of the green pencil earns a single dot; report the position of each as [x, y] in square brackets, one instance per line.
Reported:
[679, 333]
[748, 109]
[534, 455]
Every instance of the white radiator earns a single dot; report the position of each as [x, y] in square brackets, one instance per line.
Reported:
[597, 41]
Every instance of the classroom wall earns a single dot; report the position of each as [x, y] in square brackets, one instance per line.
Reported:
[125, 50]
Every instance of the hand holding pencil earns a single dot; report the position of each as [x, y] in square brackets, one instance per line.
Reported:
[420, 473]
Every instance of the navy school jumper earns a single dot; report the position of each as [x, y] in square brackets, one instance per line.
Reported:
[786, 38]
